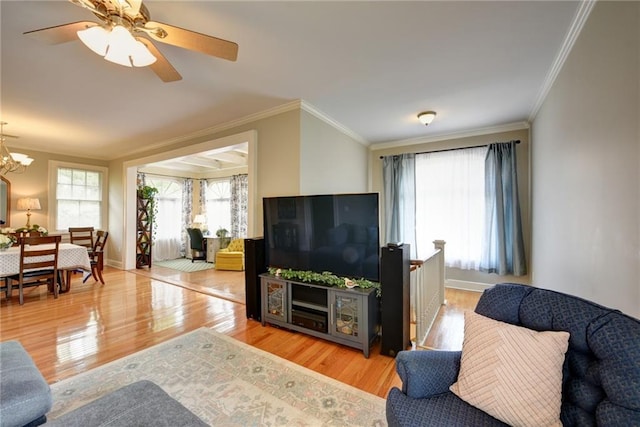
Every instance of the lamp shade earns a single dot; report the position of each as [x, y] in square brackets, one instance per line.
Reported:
[26, 204]
[95, 38]
[140, 55]
[199, 219]
[427, 117]
[117, 45]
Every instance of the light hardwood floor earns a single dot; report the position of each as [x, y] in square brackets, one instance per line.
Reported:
[95, 324]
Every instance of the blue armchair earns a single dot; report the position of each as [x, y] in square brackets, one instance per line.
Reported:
[601, 372]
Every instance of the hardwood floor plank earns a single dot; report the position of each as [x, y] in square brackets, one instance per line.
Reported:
[95, 324]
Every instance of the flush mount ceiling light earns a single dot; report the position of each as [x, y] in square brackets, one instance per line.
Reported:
[427, 117]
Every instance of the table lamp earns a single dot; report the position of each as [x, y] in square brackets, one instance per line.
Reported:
[201, 221]
[28, 204]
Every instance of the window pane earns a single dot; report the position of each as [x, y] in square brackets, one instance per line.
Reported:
[93, 193]
[64, 191]
[79, 198]
[79, 177]
[219, 204]
[64, 176]
[79, 192]
[93, 179]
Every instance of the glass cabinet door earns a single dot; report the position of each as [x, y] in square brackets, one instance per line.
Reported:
[347, 315]
[277, 299]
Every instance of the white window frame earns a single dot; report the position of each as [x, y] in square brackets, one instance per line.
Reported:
[54, 165]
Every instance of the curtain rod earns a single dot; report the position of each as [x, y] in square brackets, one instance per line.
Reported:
[517, 141]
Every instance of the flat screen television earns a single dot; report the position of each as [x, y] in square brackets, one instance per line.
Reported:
[338, 233]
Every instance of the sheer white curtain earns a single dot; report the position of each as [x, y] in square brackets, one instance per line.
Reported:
[450, 204]
[218, 199]
[168, 219]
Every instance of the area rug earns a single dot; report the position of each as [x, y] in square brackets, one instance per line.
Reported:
[228, 383]
[184, 264]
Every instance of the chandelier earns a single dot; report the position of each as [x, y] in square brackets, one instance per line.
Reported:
[11, 162]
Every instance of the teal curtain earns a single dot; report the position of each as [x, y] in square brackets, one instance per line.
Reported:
[399, 200]
[503, 243]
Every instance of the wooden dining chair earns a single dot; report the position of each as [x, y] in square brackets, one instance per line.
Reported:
[82, 236]
[96, 256]
[25, 233]
[34, 271]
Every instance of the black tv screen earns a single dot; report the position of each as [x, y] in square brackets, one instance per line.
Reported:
[338, 233]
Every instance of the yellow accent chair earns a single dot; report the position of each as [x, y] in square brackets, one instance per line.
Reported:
[231, 257]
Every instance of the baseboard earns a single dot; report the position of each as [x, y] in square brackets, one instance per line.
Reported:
[113, 263]
[466, 285]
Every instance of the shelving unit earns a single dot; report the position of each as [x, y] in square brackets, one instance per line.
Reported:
[345, 316]
[144, 234]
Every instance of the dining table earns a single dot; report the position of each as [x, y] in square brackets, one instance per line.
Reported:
[70, 258]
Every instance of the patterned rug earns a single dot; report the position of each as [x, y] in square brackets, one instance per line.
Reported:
[228, 383]
[184, 264]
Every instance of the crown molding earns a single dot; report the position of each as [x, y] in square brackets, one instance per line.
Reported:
[453, 135]
[283, 108]
[583, 12]
[304, 105]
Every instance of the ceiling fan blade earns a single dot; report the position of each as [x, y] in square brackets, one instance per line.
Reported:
[162, 67]
[192, 40]
[60, 33]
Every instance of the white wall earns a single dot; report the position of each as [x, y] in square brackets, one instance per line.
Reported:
[330, 161]
[585, 163]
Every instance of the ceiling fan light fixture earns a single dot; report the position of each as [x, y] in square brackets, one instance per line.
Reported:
[95, 38]
[117, 46]
[140, 55]
[427, 117]
[121, 44]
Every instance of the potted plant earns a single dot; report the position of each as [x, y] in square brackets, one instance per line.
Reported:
[222, 233]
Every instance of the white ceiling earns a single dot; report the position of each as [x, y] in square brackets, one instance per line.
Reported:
[369, 66]
[208, 164]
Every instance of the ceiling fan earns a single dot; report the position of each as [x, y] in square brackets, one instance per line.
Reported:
[124, 33]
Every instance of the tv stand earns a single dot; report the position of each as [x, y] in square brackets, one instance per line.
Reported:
[345, 316]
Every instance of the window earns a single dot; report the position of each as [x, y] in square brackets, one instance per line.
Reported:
[450, 204]
[168, 220]
[219, 204]
[77, 199]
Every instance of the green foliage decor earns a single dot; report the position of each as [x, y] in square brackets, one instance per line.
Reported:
[325, 278]
[149, 193]
[222, 233]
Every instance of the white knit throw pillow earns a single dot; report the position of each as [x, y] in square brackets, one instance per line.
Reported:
[512, 373]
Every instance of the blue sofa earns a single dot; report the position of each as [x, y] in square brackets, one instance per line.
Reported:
[601, 372]
[25, 397]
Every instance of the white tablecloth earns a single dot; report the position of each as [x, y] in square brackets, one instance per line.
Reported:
[70, 257]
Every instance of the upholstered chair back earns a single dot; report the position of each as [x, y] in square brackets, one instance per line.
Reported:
[236, 245]
[601, 373]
